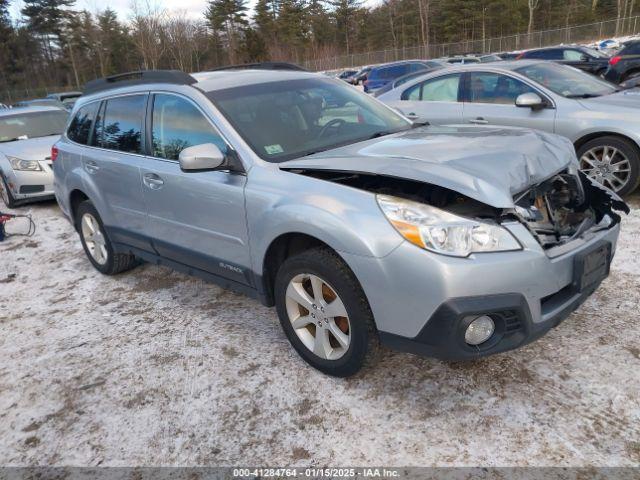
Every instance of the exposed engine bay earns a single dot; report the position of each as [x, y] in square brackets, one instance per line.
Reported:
[555, 211]
[566, 206]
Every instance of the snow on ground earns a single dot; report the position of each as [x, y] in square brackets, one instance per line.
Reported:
[155, 368]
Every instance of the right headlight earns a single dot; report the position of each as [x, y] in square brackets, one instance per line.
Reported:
[24, 165]
[443, 232]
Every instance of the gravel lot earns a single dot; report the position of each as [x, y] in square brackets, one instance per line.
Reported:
[155, 368]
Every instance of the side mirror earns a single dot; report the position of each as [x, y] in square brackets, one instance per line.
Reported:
[201, 157]
[530, 100]
[585, 58]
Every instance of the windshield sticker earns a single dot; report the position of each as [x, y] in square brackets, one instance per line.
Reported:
[273, 149]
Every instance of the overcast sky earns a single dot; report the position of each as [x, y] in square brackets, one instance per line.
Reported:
[193, 8]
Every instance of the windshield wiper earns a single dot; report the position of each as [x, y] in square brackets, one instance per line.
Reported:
[11, 140]
[380, 134]
[584, 95]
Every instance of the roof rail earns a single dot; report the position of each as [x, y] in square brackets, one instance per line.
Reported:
[262, 66]
[176, 77]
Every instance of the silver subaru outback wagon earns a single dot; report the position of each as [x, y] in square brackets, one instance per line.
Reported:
[361, 227]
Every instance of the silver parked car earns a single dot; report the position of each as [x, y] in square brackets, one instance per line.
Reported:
[26, 138]
[602, 121]
[359, 226]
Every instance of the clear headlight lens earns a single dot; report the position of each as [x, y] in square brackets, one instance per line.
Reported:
[443, 232]
[24, 165]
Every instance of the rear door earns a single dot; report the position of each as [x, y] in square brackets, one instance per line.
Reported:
[489, 99]
[197, 218]
[113, 168]
[436, 100]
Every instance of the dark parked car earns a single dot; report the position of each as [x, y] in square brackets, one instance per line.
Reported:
[381, 75]
[584, 58]
[626, 64]
[361, 76]
[404, 79]
[346, 75]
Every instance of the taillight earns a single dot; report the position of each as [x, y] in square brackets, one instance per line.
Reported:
[54, 153]
[614, 60]
[519, 57]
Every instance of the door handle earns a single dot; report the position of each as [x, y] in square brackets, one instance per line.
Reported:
[91, 166]
[479, 121]
[152, 181]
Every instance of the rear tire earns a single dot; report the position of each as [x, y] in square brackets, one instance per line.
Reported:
[591, 156]
[96, 243]
[348, 349]
[6, 195]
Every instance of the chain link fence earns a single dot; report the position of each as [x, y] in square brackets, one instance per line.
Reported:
[11, 96]
[573, 34]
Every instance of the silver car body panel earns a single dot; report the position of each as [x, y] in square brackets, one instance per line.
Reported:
[574, 119]
[505, 160]
[38, 149]
[237, 217]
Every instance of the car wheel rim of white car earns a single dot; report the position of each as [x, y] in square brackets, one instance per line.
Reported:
[94, 239]
[606, 165]
[318, 316]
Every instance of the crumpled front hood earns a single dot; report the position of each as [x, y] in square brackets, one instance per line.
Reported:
[487, 164]
[31, 149]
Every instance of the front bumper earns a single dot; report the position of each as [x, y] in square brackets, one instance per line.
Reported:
[28, 186]
[423, 302]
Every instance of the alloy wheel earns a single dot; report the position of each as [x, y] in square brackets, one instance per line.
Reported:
[606, 165]
[94, 239]
[318, 316]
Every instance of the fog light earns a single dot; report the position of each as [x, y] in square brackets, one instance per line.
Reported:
[480, 330]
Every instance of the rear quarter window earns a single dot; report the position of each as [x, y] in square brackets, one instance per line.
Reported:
[80, 125]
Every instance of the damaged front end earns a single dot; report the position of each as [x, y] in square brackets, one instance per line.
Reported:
[556, 211]
[565, 207]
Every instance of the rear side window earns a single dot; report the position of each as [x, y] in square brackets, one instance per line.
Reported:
[572, 55]
[554, 54]
[441, 89]
[178, 124]
[119, 125]
[80, 126]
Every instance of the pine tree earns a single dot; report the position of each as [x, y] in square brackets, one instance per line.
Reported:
[227, 17]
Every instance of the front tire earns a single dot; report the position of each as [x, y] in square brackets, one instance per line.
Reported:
[96, 243]
[6, 195]
[611, 161]
[324, 312]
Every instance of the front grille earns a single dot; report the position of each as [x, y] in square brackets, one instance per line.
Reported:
[31, 188]
[511, 321]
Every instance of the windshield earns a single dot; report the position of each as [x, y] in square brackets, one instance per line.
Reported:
[32, 125]
[290, 119]
[595, 53]
[566, 81]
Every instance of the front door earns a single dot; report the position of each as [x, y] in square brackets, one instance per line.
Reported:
[490, 100]
[196, 218]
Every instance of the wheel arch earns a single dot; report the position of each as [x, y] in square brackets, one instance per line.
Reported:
[593, 135]
[281, 248]
[629, 73]
[76, 197]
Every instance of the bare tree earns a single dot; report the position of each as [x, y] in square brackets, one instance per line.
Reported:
[533, 5]
[147, 24]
